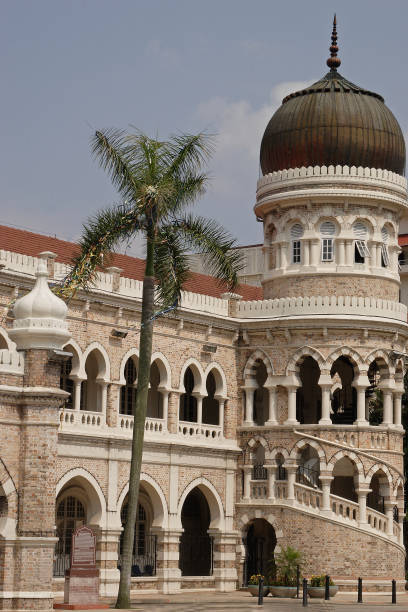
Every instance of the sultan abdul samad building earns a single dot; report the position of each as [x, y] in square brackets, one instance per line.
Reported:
[260, 431]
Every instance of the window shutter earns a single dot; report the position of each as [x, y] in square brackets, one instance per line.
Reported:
[296, 231]
[384, 235]
[360, 231]
[327, 228]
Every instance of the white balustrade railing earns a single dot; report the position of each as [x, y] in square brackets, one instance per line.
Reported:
[259, 490]
[344, 508]
[152, 426]
[197, 430]
[306, 496]
[11, 362]
[377, 520]
[321, 305]
[81, 418]
[281, 489]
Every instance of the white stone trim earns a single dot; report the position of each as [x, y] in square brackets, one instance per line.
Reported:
[27, 595]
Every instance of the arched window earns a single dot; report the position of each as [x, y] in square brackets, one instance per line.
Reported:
[281, 473]
[128, 391]
[308, 470]
[344, 398]
[91, 389]
[296, 233]
[361, 250]
[261, 395]
[155, 398]
[66, 384]
[309, 395]
[259, 472]
[210, 404]
[385, 258]
[327, 231]
[70, 515]
[144, 543]
[188, 403]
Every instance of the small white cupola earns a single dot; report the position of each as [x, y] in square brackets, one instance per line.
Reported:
[40, 316]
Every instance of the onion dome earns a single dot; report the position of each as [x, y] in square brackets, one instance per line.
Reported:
[333, 122]
[40, 316]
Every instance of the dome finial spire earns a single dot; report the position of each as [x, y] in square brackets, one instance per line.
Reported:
[334, 62]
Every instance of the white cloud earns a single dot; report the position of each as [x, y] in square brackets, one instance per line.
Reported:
[235, 166]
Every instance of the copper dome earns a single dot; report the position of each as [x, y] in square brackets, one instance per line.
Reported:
[333, 122]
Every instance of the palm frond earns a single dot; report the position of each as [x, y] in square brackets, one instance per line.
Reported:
[170, 266]
[100, 236]
[111, 148]
[214, 243]
[185, 153]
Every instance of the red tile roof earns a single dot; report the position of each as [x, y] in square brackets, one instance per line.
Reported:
[29, 243]
[403, 239]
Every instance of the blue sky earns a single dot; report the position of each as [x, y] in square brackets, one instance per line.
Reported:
[70, 66]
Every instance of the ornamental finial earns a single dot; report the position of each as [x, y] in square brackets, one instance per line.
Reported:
[334, 62]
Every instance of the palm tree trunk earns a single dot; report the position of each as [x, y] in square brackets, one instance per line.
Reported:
[145, 353]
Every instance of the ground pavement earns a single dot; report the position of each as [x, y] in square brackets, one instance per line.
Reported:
[241, 600]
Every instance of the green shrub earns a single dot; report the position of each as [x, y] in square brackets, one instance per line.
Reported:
[320, 581]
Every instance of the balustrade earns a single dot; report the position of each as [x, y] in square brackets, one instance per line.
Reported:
[308, 497]
[197, 430]
[81, 418]
[344, 508]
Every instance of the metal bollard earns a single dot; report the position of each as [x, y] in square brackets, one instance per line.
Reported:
[260, 591]
[327, 587]
[360, 591]
[304, 602]
[394, 592]
[297, 581]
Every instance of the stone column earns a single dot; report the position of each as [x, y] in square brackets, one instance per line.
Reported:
[76, 399]
[389, 513]
[284, 255]
[221, 405]
[341, 252]
[271, 469]
[291, 420]
[249, 388]
[401, 515]
[40, 330]
[165, 404]
[349, 252]
[315, 251]
[112, 407]
[107, 546]
[291, 472]
[272, 420]
[362, 493]
[247, 482]
[224, 556]
[397, 409]
[387, 406]
[173, 411]
[103, 389]
[325, 386]
[199, 398]
[167, 559]
[361, 384]
[326, 480]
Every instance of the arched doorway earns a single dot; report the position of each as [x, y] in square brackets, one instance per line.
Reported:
[344, 398]
[260, 545]
[70, 514]
[196, 546]
[261, 395]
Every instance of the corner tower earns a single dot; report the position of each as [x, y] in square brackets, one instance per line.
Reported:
[332, 192]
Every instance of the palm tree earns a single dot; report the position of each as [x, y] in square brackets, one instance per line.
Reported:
[157, 181]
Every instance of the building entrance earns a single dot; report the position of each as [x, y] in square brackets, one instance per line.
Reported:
[260, 545]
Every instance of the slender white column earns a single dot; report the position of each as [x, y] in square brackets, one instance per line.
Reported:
[199, 409]
[378, 258]
[362, 506]
[315, 251]
[277, 256]
[249, 403]
[291, 471]
[325, 420]
[284, 256]
[306, 252]
[387, 407]
[397, 409]
[165, 404]
[221, 405]
[401, 515]
[326, 479]
[272, 407]
[291, 420]
[247, 482]
[389, 513]
[77, 395]
[349, 252]
[341, 252]
[271, 481]
[360, 386]
[104, 394]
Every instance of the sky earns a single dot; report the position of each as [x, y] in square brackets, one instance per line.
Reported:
[69, 67]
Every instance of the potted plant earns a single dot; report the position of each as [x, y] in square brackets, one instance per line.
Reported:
[317, 587]
[286, 563]
[253, 585]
